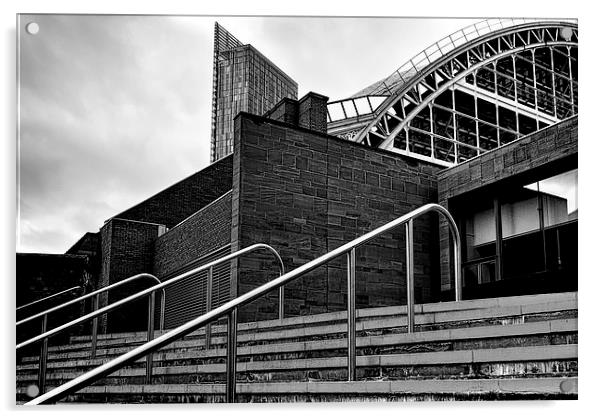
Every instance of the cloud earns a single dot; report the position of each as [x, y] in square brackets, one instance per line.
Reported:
[116, 108]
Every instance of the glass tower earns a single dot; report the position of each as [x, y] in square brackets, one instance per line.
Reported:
[243, 80]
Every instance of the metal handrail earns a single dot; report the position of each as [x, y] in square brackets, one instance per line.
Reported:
[43, 337]
[47, 298]
[89, 295]
[151, 293]
[230, 309]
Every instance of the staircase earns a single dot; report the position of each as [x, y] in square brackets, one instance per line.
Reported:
[522, 347]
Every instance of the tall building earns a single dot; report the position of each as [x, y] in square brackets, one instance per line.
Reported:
[243, 80]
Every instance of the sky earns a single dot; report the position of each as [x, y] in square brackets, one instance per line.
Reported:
[113, 109]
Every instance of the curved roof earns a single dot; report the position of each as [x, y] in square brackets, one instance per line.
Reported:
[436, 68]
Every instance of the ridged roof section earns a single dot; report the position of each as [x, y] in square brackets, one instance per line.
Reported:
[414, 65]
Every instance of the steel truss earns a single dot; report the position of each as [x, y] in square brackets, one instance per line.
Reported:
[491, 90]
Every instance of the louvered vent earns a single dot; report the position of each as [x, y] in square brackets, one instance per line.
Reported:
[187, 299]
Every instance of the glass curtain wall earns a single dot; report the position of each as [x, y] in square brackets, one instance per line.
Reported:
[523, 240]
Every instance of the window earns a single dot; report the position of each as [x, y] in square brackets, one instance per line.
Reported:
[521, 240]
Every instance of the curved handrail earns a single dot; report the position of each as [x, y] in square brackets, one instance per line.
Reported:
[47, 298]
[148, 291]
[230, 309]
[92, 294]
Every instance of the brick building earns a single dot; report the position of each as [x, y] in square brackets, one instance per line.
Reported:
[488, 130]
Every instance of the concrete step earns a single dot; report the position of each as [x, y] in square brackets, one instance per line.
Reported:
[530, 341]
[536, 361]
[392, 322]
[341, 391]
[539, 301]
[528, 334]
[469, 389]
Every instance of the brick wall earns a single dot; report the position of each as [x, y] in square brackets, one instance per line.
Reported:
[307, 193]
[205, 231]
[527, 159]
[174, 204]
[127, 249]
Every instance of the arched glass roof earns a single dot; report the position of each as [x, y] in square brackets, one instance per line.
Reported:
[477, 89]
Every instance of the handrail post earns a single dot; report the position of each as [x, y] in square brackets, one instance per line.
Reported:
[351, 373]
[410, 273]
[231, 358]
[280, 290]
[208, 306]
[94, 342]
[457, 257]
[162, 311]
[150, 334]
[281, 302]
[43, 358]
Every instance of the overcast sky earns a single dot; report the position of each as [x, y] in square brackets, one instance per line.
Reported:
[115, 108]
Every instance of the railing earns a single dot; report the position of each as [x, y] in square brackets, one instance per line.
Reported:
[436, 50]
[230, 309]
[50, 297]
[151, 308]
[96, 294]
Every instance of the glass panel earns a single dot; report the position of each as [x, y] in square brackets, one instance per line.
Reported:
[444, 150]
[521, 215]
[526, 125]
[420, 143]
[349, 109]
[443, 122]
[561, 61]
[362, 106]
[467, 131]
[507, 118]
[505, 66]
[480, 231]
[559, 196]
[400, 140]
[526, 94]
[335, 110]
[422, 120]
[487, 136]
[464, 103]
[465, 153]
[506, 136]
[486, 79]
[505, 87]
[522, 245]
[486, 111]
[375, 101]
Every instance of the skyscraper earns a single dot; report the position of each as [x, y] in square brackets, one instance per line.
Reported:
[243, 80]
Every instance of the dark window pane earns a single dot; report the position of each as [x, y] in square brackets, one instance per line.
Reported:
[486, 111]
[526, 125]
[487, 136]
[464, 103]
[420, 143]
[444, 150]
[443, 122]
[466, 130]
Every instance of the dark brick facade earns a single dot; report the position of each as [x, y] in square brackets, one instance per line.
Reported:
[200, 234]
[174, 204]
[306, 193]
[41, 275]
[128, 249]
[526, 159]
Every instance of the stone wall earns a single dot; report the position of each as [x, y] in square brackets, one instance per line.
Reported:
[306, 193]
